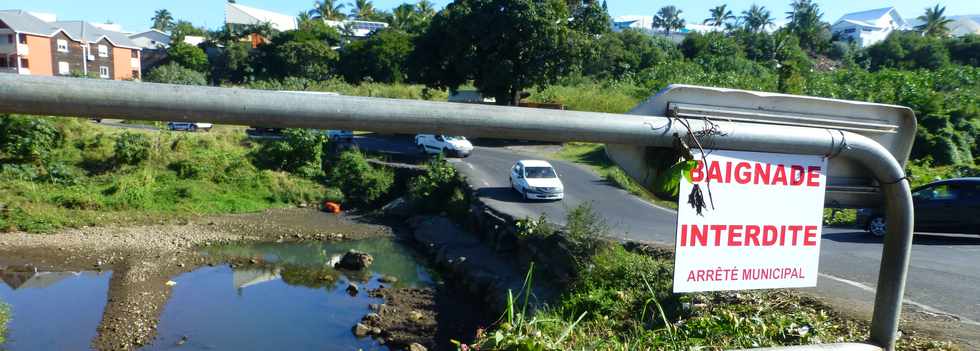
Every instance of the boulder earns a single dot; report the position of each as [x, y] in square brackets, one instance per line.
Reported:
[355, 260]
[361, 330]
[416, 347]
[352, 289]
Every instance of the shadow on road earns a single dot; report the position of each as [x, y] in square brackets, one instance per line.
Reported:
[503, 194]
[861, 237]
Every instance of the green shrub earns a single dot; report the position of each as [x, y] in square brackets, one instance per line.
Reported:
[27, 139]
[4, 314]
[361, 183]
[433, 190]
[173, 73]
[300, 151]
[131, 148]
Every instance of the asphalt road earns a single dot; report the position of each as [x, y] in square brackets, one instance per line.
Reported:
[944, 278]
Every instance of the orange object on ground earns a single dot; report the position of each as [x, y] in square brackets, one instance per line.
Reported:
[331, 207]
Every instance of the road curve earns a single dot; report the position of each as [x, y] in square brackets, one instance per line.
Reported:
[944, 276]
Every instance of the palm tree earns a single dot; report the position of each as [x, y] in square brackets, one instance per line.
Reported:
[756, 18]
[719, 16]
[669, 17]
[362, 9]
[805, 22]
[327, 9]
[403, 16]
[162, 20]
[425, 8]
[934, 22]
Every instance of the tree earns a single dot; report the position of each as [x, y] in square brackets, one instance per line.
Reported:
[908, 50]
[405, 18]
[720, 15]
[618, 54]
[590, 18]
[382, 57]
[503, 46]
[805, 22]
[172, 73]
[182, 29]
[425, 9]
[162, 20]
[669, 17]
[965, 50]
[304, 53]
[362, 9]
[934, 22]
[327, 9]
[188, 56]
[756, 18]
[232, 64]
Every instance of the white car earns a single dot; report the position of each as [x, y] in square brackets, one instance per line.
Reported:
[448, 145]
[189, 126]
[536, 180]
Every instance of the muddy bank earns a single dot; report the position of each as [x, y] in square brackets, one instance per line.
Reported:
[144, 259]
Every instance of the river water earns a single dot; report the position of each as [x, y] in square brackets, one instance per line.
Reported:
[290, 298]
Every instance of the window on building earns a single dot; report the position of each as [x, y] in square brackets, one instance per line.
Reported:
[63, 68]
[10, 38]
[24, 63]
[136, 75]
[134, 53]
[849, 30]
[103, 51]
[3, 61]
[22, 38]
[62, 45]
[104, 72]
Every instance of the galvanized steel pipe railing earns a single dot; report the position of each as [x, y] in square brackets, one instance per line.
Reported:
[74, 97]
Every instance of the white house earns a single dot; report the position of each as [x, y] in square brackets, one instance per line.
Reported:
[156, 39]
[868, 27]
[151, 39]
[241, 14]
[620, 23]
[356, 28]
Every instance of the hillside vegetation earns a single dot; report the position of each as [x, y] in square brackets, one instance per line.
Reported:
[66, 172]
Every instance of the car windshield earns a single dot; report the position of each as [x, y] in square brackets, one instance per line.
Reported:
[540, 172]
[453, 138]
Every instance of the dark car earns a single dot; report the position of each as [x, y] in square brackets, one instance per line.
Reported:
[945, 206]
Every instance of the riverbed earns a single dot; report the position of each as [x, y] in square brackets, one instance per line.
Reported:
[240, 290]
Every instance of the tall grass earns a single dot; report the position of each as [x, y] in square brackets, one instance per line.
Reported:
[182, 174]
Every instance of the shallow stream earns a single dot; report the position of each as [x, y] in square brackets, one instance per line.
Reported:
[287, 297]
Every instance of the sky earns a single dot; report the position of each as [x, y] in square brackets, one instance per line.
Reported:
[134, 15]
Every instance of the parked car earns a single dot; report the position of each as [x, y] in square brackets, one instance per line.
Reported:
[449, 145]
[536, 180]
[340, 135]
[945, 206]
[189, 126]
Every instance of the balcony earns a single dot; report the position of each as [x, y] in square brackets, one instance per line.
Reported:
[9, 48]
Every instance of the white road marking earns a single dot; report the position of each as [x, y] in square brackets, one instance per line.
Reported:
[923, 307]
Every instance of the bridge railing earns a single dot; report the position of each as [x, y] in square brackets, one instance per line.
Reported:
[74, 97]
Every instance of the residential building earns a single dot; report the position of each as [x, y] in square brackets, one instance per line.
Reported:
[93, 51]
[868, 27]
[30, 45]
[963, 25]
[241, 15]
[645, 24]
[151, 40]
[25, 43]
[356, 29]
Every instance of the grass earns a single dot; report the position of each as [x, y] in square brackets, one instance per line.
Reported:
[624, 302]
[594, 156]
[182, 175]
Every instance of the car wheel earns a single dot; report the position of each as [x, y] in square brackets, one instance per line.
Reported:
[193, 128]
[877, 226]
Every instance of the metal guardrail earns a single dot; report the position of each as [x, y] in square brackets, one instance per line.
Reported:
[164, 102]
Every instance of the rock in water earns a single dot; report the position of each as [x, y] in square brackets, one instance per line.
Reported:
[352, 289]
[388, 279]
[355, 260]
[416, 347]
[361, 330]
